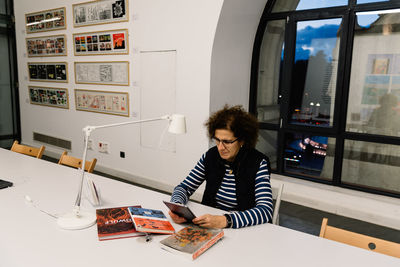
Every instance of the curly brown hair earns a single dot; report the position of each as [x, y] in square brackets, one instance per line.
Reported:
[244, 125]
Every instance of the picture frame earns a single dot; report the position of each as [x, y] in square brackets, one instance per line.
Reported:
[102, 72]
[113, 42]
[46, 20]
[100, 12]
[106, 102]
[380, 66]
[49, 96]
[48, 71]
[47, 46]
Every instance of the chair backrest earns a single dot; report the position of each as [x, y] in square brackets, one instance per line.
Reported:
[359, 240]
[76, 163]
[27, 150]
[275, 216]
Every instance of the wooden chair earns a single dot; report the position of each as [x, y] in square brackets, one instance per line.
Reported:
[76, 163]
[359, 240]
[27, 150]
[275, 216]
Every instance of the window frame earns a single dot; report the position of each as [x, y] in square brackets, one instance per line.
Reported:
[9, 30]
[338, 129]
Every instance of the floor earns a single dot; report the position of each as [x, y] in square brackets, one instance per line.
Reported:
[309, 220]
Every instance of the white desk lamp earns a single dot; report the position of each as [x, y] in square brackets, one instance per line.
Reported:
[78, 219]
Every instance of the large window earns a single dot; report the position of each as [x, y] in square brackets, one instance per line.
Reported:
[326, 89]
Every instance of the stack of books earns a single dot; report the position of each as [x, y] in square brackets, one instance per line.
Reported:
[113, 223]
[122, 222]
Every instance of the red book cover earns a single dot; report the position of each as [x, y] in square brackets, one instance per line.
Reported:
[115, 223]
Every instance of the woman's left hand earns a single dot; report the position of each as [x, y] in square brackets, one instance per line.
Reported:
[211, 221]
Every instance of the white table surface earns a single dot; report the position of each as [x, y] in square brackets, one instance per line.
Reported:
[29, 237]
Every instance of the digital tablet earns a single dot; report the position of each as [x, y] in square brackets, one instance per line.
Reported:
[4, 184]
[181, 210]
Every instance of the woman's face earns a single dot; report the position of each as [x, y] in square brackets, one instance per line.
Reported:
[228, 145]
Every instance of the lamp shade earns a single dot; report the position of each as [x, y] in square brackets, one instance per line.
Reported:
[177, 124]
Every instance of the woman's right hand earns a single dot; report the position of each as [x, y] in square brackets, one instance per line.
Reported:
[176, 218]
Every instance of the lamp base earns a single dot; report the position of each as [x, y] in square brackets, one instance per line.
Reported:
[71, 221]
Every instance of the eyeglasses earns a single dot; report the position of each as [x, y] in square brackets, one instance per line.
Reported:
[224, 142]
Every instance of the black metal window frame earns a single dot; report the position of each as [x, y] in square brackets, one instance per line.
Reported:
[7, 27]
[338, 130]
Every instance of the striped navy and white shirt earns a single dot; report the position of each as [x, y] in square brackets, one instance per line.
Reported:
[226, 195]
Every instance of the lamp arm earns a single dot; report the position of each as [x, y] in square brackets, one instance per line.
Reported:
[92, 128]
[88, 130]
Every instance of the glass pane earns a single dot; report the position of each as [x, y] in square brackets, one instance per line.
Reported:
[267, 144]
[371, 165]
[271, 58]
[375, 75]
[314, 73]
[6, 115]
[370, 1]
[284, 5]
[309, 155]
[3, 7]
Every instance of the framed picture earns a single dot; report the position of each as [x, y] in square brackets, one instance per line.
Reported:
[100, 12]
[49, 96]
[105, 72]
[46, 20]
[48, 71]
[115, 103]
[113, 42]
[47, 46]
[380, 66]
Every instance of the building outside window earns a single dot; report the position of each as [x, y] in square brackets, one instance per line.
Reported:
[326, 88]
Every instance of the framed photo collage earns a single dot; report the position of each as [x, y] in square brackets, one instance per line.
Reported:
[96, 72]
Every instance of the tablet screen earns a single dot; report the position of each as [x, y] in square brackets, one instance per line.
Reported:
[181, 210]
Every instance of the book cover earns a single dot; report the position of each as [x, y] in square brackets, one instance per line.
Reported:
[150, 221]
[191, 241]
[113, 223]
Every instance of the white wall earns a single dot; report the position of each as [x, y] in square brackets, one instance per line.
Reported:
[210, 72]
[232, 52]
[187, 26]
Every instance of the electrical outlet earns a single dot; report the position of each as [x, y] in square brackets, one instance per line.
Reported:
[104, 147]
[90, 144]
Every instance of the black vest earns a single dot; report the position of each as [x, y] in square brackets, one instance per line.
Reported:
[245, 167]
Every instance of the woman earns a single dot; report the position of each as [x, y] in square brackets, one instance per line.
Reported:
[236, 174]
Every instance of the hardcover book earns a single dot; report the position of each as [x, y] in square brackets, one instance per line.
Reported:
[113, 223]
[191, 241]
[150, 221]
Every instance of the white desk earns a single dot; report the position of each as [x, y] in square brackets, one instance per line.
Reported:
[30, 238]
